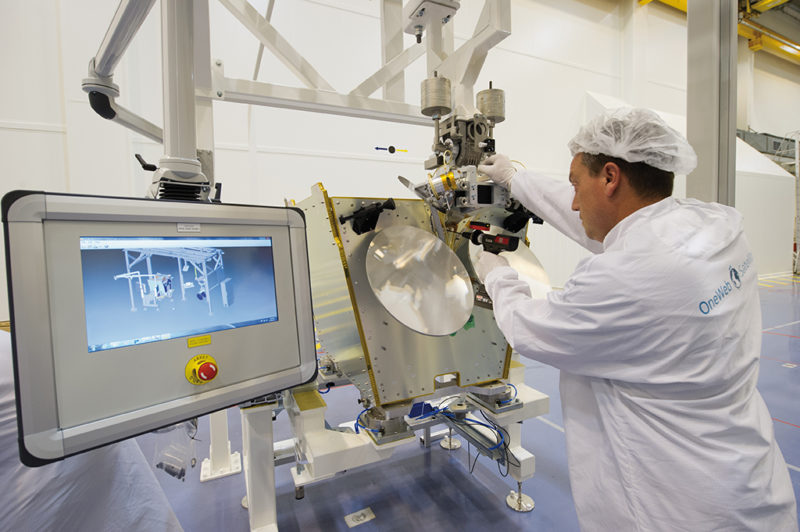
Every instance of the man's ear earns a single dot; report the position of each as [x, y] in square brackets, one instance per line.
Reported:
[612, 176]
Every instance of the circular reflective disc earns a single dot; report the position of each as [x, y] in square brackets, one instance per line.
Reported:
[419, 280]
[528, 267]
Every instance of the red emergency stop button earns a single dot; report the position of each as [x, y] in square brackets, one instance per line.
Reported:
[201, 369]
[207, 371]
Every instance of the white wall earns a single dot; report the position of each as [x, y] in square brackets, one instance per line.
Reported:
[776, 86]
[558, 51]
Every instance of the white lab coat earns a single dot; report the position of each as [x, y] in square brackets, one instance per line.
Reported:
[658, 341]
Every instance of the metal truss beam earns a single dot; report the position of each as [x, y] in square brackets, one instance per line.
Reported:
[259, 93]
[269, 37]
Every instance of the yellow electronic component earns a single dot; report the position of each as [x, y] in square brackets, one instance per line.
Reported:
[442, 183]
[201, 369]
[449, 181]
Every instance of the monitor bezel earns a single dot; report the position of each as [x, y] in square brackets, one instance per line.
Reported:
[41, 437]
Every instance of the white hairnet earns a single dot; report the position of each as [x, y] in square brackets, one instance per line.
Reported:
[636, 135]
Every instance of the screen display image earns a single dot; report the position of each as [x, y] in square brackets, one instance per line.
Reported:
[146, 289]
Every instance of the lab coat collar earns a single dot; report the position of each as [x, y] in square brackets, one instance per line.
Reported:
[624, 225]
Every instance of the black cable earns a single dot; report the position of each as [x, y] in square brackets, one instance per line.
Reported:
[439, 406]
[472, 468]
[507, 455]
[499, 469]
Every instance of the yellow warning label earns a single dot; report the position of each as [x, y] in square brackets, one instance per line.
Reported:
[197, 341]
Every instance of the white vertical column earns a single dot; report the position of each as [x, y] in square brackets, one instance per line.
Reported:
[633, 75]
[219, 450]
[392, 46]
[259, 467]
[796, 205]
[221, 462]
[177, 65]
[744, 85]
[711, 99]
[434, 42]
[204, 119]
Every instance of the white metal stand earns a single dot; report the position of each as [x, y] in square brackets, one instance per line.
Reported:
[221, 462]
[535, 404]
[518, 501]
[323, 452]
[448, 442]
[259, 467]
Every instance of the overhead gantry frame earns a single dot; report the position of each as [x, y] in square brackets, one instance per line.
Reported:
[192, 81]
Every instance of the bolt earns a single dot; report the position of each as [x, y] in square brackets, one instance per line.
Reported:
[219, 93]
[446, 19]
[421, 12]
[218, 62]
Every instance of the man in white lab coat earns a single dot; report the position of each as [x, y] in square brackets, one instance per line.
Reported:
[657, 336]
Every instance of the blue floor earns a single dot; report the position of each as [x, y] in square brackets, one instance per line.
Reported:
[432, 489]
[779, 379]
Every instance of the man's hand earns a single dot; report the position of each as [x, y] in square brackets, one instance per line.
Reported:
[488, 262]
[499, 169]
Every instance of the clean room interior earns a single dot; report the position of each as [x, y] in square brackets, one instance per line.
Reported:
[562, 64]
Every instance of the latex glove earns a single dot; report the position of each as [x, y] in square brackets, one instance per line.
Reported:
[488, 262]
[499, 169]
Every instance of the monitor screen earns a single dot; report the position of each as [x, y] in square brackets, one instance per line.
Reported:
[147, 289]
[117, 300]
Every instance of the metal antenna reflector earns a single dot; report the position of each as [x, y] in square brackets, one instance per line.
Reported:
[528, 267]
[419, 280]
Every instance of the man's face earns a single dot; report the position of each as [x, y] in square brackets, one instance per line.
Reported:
[590, 199]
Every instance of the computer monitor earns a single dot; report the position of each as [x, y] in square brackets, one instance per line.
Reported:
[131, 314]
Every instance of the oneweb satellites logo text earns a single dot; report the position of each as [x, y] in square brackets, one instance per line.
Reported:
[735, 275]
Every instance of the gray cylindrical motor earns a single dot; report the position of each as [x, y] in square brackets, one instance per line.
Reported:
[436, 96]
[492, 104]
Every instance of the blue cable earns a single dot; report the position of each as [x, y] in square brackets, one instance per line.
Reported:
[501, 442]
[502, 439]
[476, 422]
[358, 423]
[512, 398]
[327, 388]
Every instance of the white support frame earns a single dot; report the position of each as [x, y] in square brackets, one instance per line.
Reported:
[326, 451]
[462, 66]
[177, 68]
[391, 47]
[278, 45]
[268, 94]
[711, 99]
[259, 467]
[221, 462]
[129, 16]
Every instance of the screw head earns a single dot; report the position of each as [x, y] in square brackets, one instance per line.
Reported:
[219, 93]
